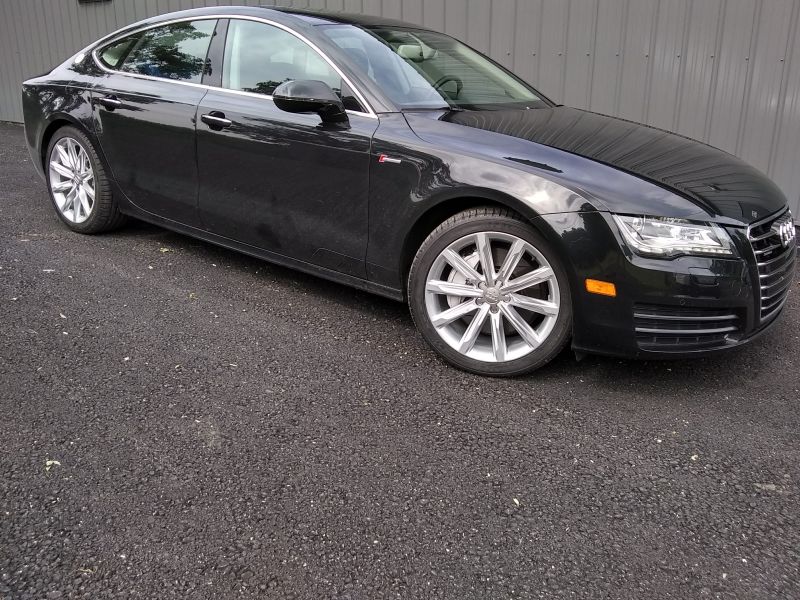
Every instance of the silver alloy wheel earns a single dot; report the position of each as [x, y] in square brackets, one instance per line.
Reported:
[491, 314]
[72, 180]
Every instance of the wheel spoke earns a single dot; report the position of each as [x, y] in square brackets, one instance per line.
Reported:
[536, 277]
[73, 154]
[62, 187]
[69, 200]
[453, 314]
[471, 334]
[84, 202]
[485, 255]
[63, 156]
[498, 337]
[453, 289]
[456, 261]
[60, 169]
[515, 254]
[542, 307]
[525, 331]
[88, 190]
[86, 166]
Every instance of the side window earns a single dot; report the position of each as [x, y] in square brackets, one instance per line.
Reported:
[113, 54]
[259, 57]
[176, 51]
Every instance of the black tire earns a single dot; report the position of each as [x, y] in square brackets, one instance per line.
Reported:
[476, 221]
[105, 214]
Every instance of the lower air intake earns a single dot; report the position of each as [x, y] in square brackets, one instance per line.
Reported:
[679, 329]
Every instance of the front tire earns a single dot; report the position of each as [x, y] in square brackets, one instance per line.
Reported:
[490, 295]
[79, 187]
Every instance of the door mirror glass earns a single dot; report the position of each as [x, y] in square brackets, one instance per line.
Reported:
[310, 96]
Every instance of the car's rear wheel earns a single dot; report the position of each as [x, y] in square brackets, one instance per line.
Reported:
[78, 184]
[489, 294]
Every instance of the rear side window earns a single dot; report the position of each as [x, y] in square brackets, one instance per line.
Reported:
[113, 55]
[177, 51]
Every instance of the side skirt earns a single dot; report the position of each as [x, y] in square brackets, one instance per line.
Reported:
[362, 284]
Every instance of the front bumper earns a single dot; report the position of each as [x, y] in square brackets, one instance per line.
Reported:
[677, 308]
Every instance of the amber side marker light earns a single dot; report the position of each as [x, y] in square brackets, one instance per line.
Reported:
[603, 288]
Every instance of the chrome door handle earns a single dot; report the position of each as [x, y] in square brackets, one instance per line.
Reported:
[110, 102]
[216, 120]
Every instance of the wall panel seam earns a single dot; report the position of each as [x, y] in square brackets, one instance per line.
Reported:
[784, 86]
[751, 58]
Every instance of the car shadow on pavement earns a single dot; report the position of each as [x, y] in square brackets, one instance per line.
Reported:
[709, 372]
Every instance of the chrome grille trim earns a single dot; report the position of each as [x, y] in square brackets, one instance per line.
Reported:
[692, 332]
[665, 317]
[775, 263]
[673, 329]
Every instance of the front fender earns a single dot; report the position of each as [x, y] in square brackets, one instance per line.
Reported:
[415, 185]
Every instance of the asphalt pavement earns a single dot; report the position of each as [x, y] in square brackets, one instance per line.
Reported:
[180, 421]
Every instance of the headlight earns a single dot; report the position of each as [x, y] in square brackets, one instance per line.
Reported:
[666, 237]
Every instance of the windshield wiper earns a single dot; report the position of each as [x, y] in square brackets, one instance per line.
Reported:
[432, 108]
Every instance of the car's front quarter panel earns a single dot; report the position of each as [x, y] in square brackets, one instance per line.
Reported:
[442, 162]
[418, 176]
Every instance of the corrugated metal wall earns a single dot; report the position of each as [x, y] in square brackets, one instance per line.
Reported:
[724, 71]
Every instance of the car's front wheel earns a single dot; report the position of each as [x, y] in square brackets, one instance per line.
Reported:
[490, 295]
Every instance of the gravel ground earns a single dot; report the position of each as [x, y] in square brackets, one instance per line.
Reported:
[179, 421]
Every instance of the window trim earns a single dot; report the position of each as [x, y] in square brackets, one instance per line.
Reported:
[370, 113]
[124, 57]
[142, 38]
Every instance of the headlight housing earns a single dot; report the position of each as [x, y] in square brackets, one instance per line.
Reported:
[666, 237]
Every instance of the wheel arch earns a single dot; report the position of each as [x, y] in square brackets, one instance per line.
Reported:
[439, 212]
[55, 123]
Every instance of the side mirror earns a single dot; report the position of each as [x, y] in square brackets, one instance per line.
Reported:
[310, 96]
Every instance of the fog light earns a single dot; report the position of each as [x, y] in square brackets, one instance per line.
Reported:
[603, 288]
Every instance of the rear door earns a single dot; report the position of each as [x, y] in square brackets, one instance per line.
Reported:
[285, 183]
[145, 111]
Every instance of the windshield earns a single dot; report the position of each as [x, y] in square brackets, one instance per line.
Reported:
[426, 70]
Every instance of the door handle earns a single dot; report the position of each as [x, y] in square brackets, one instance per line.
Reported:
[216, 120]
[110, 102]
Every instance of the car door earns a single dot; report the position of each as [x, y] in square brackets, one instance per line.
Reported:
[285, 183]
[145, 109]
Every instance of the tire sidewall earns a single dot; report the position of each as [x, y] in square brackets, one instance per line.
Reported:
[434, 246]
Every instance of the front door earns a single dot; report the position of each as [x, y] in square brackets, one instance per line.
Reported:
[281, 182]
[145, 111]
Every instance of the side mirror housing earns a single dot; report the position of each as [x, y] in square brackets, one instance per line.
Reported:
[310, 96]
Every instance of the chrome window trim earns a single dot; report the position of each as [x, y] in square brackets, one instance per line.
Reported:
[110, 39]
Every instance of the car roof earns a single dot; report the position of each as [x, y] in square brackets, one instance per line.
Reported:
[299, 18]
[303, 18]
[329, 17]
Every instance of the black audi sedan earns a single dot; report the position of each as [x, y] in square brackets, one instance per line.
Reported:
[397, 160]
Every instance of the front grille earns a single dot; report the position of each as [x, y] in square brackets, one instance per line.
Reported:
[679, 329]
[775, 263]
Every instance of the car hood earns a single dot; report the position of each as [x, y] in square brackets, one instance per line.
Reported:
[722, 183]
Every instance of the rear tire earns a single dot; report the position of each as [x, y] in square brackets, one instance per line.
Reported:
[504, 320]
[78, 184]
